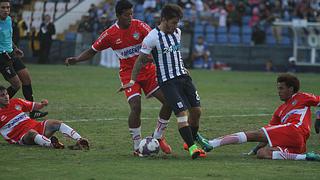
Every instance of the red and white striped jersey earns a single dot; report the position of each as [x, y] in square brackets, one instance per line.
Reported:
[126, 43]
[13, 115]
[296, 111]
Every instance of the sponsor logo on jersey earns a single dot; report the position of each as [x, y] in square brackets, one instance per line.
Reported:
[15, 120]
[136, 35]
[172, 48]
[133, 50]
[180, 105]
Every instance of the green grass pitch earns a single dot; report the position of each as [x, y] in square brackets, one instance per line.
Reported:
[85, 98]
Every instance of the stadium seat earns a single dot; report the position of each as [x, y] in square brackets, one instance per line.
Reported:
[70, 36]
[210, 38]
[234, 39]
[61, 8]
[222, 30]
[245, 20]
[210, 29]
[38, 6]
[246, 30]
[234, 30]
[285, 40]
[268, 30]
[138, 8]
[270, 40]
[246, 39]
[198, 28]
[222, 38]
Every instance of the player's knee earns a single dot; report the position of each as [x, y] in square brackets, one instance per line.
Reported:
[136, 108]
[53, 125]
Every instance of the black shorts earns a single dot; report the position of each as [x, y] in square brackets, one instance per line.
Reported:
[10, 65]
[180, 93]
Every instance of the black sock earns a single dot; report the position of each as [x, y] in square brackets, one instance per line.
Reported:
[194, 131]
[11, 91]
[27, 92]
[186, 135]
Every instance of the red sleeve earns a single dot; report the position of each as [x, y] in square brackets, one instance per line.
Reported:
[311, 99]
[102, 42]
[144, 28]
[27, 106]
[275, 118]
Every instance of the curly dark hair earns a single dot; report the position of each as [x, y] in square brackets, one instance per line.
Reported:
[290, 80]
[123, 5]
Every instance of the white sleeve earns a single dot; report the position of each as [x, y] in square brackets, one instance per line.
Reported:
[148, 43]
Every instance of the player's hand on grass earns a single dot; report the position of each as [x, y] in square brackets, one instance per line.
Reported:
[44, 102]
[70, 61]
[126, 86]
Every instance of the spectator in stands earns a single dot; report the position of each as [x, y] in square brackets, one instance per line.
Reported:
[47, 30]
[93, 13]
[85, 35]
[201, 55]
[34, 41]
[292, 67]
[103, 24]
[276, 15]
[269, 66]
[22, 27]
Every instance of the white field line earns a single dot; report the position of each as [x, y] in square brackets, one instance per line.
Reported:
[203, 117]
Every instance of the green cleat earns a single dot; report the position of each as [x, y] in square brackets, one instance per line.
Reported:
[311, 156]
[204, 143]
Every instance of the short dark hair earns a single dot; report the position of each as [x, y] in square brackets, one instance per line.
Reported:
[4, 1]
[123, 5]
[2, 88]
[290, 80]
[170, 11]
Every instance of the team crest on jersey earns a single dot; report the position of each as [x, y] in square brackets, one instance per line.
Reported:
[18, 107]
[136, 35]
[3, 118]
[118, 41]
[294, 102]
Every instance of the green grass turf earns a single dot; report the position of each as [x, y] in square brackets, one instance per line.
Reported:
[85, 98]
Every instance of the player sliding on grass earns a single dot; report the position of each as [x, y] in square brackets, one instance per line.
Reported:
[163, 43]
[125, 37]
[289, 129]
[17, 127]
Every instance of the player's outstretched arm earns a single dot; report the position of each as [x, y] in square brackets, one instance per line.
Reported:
[84, 56]
[141, 60]
[40, 105]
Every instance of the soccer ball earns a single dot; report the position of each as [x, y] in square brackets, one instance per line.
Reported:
[149, 146]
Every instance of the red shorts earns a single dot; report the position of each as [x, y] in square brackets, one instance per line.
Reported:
[147, 82]
[287, 137]
[21, 129]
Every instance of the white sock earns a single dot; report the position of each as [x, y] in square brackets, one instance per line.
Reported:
[236, 138]
[136, 136]
[42, 140]
[290, 156]
[162, 125]
[69, 132]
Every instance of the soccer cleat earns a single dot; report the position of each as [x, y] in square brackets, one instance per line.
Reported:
[204, 143]
[165, 147]
[194, 151]
[82, 144]
[311, 156]
[203, 154]
[37, 114]
[55, 143]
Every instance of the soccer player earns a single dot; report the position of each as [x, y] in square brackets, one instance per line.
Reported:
[286, 134]
[11, 66]
[16, 127]
[125, 37]
[163, 43]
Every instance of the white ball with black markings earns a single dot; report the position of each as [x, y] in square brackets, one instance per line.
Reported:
[149, 146]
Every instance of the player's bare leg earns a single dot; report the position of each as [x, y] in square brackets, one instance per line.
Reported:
[53, 126]
[134, 120]
[238, 138]
[25, 79]
[15, 85]
[162, 123]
